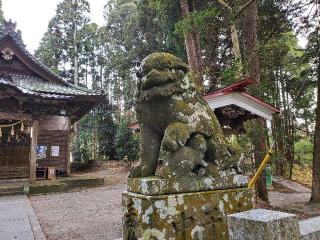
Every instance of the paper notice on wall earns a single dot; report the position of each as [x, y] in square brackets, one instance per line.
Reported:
[41, 152]
[54, 151]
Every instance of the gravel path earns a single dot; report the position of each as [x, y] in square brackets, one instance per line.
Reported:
[288, 193]
[293, 197]
[90, 214]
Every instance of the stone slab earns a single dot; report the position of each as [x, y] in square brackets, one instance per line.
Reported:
[84, 182]
[310, 229]
[157, 186]
[47, 188]
[184, 216]
[262, 224]
[18, 220]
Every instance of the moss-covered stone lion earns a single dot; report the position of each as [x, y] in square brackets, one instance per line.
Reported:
[176, 121]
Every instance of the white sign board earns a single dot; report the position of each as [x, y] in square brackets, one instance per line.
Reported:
[55, 151]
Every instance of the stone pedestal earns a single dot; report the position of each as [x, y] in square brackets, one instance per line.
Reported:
[183, 209]
[262, 224]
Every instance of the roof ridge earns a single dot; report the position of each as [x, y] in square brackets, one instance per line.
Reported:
[8, 28]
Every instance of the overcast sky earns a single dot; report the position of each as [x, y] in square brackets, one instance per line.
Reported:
[33, 16]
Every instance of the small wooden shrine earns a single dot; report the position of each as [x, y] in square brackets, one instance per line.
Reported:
[37, 110]
[233, 105]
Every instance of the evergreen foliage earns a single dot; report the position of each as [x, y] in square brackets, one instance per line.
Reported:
[127, 144]
[107, 129]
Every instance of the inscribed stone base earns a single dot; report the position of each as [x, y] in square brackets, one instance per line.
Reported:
[182, 216]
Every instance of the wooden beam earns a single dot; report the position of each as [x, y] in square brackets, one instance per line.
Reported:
[33, 153]
[69, 149]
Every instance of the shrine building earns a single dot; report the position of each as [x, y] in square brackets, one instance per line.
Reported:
[37, 111]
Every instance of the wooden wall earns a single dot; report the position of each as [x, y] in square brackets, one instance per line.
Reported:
[51, 138]
[14, 160]
[53, 131]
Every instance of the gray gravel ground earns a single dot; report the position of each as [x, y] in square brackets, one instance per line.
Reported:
[90, 214]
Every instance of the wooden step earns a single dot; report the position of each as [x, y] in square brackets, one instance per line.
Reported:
[11, 173]
[11, 189]
[10, 193]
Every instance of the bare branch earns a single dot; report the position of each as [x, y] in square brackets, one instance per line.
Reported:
[225, 5]
[247, 4]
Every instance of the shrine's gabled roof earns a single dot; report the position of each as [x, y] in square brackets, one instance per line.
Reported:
[27, 84]
[42, 81]
[236, 94]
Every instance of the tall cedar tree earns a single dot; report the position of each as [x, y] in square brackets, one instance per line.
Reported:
[192, 43]
[1, 13]
[64, 29]
[315, 194]
[250, 22]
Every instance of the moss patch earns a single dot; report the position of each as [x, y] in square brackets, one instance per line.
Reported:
[194, 216]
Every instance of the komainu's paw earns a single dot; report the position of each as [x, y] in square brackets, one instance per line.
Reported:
[141, 171]
[175, 136]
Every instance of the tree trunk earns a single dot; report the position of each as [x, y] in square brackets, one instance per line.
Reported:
[235, 42]
[251, 41]
[259, 153]
[315, 193]
[250, 18]
[87, 74]
[192, 42]
[75, 60]
[306, 122]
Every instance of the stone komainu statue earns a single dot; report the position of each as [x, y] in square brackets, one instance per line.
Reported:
[178, 123]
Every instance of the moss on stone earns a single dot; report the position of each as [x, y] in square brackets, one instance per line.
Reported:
[161, 61]
[47, 188]
[183, 107]
[193, 216]
[157, 186]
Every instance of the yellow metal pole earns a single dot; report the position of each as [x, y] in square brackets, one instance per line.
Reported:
[261, 167]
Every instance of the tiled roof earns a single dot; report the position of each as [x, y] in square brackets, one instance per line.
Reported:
[16, 36]
[8, 83]
[39, 85]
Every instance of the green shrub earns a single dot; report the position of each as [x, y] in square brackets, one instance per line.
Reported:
[127, 143]
[106, 130]
[304, 151]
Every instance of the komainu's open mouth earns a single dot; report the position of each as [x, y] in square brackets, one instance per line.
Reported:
[157, 78]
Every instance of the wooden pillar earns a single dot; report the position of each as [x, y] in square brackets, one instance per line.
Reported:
[69, 148]
[33, 153]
